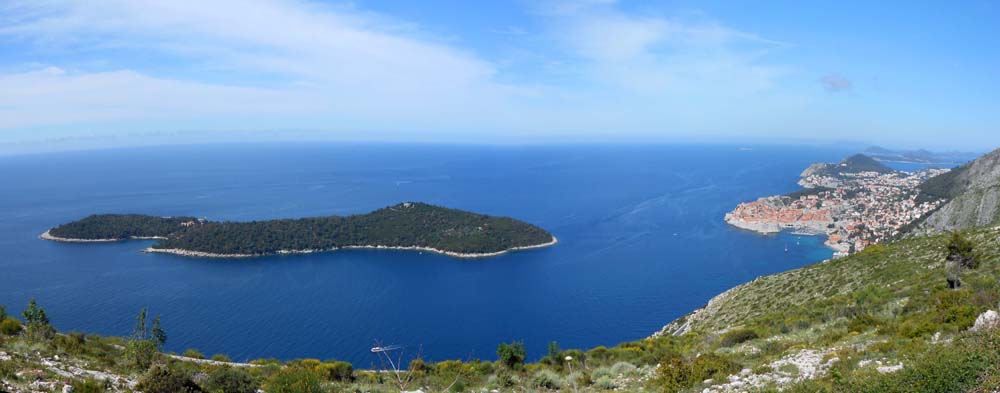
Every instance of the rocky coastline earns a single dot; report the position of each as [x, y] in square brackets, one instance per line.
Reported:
[47, 235]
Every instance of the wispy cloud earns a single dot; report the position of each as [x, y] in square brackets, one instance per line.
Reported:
[337, 67]
[338, 59]
[664, 55]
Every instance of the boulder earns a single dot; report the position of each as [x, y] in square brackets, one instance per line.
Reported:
[988, 320]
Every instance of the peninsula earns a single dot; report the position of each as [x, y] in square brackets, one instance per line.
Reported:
[856, 202]
[405, 226]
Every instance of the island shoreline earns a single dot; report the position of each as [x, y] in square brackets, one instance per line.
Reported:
[201, 254]
[47, 235]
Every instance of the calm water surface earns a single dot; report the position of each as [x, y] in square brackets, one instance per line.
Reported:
[642, 242]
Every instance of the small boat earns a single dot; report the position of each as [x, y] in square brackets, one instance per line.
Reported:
[385, 348]
[786, 248]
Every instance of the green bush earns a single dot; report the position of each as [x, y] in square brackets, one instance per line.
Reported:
[512, 354]
[862, 323]
[337, 371]
[578, 379]
[221, 358]
[503, 379]
[599, 354]
[193, 353]
[546, 379]
[710, 365]
[673, 375]
[74, 343]
[600, 372]
[737, 336]
[89, 386]
[605, 383]
[139, 354]
[163, 379]
[623, 368]
[231, 380]
[10, 327]
[293, 380]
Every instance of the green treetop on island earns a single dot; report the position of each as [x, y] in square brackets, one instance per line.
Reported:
[416, 225]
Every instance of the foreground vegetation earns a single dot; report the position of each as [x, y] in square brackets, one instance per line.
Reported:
[893, 318]
[402, 225]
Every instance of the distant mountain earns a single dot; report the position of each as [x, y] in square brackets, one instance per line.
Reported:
[919, 156]
[854, 164]
[973, 194]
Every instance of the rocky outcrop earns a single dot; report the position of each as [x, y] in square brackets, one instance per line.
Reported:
[816, 169]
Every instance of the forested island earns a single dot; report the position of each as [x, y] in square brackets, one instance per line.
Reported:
[410, 226]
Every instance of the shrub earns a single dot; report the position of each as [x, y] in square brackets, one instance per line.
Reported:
[89, 386]
[710, 365]
[193, 353]
[943, 369]
[546, 379]
[599, 354]
[578, 379]
[503, 379]
[71, 343]
[337, 371]
[163, 379]
[512, 354]
[221, 358]
[605, 383]
[862, 322]
[231, 380]
[623, 368]
[293, 380]
[737, 336]
[674, 375]
[10, 327]
[139, 354]
[600, 372]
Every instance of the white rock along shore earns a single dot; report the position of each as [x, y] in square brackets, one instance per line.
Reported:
[49, 236]
[200, 254]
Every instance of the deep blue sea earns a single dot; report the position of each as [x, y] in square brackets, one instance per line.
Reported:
[642, 241]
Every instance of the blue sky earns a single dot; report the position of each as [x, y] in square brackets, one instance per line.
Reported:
[76, 74]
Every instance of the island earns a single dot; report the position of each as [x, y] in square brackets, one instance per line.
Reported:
[405, 226]
[856, 202]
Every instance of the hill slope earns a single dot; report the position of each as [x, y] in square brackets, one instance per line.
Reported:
[973, 194]
[854, 164]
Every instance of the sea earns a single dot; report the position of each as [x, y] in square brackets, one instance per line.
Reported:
[641, 242]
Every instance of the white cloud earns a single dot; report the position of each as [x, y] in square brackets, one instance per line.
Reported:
[665, 56]
[53, 96]
[341, 68]
[337, 59]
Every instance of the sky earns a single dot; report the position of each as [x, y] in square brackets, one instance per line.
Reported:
[96, 73]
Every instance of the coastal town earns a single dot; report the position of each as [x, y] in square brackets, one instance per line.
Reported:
[853, 209]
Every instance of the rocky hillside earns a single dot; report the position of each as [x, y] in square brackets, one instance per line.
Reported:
[973, 194]
[881, 320]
